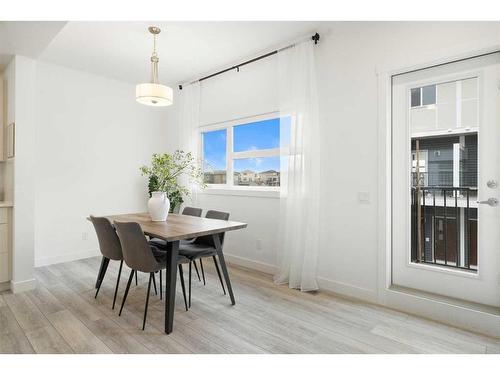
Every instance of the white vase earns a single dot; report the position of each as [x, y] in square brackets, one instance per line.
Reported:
[158, 206]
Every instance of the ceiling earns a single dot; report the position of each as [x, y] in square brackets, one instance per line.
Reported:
[121, 50]
[25, 38]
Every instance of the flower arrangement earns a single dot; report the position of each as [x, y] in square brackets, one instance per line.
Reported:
[165, 172]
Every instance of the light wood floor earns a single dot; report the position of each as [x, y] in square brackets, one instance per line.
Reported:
[62, 316]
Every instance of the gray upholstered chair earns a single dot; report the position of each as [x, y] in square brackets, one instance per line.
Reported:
[140, 256]
[204, 247]
[111, 249]
[191, 211]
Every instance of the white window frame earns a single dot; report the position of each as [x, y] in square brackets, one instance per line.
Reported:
[229, 187]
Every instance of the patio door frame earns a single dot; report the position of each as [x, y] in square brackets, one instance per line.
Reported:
[473, 317]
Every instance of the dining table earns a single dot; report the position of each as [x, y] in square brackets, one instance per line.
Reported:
[173, 230]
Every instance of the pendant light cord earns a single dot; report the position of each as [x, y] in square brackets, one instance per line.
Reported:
[154, 62]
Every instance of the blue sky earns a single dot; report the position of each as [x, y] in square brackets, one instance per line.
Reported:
[214, 149]
[253, 136]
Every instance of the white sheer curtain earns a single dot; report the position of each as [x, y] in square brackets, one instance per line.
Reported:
[298, 240]
[188, 124]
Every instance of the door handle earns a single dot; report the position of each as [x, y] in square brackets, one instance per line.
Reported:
[493, 202]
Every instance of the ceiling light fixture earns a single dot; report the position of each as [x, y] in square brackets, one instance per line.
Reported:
[153, 93]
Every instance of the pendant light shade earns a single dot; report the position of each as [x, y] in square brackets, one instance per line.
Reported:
[154, 93]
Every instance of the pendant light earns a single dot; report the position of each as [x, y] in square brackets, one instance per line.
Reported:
[154, 93]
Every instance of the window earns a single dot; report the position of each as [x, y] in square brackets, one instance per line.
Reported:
[444, 164]
[214, 156]
[249, 150]
[422, 96]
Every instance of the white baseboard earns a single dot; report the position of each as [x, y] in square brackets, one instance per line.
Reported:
[22, 286]
[348, 290]
[4, 286]
[68, 257]
[324, 283]
[250, 263]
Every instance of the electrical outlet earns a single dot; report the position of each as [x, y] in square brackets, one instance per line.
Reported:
[364, 197]
[85, 236]
[258, 244]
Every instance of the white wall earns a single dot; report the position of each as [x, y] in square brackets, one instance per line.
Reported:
[347, 63]
[348, 57]
[91, 138]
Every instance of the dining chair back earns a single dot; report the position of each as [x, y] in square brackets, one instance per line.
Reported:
[109, 243]
[208, 240]
[136, 250]
[191, 211]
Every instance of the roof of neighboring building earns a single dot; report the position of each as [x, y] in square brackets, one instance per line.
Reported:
[269, 171]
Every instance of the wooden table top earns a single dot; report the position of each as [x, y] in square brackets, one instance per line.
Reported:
[178, 227]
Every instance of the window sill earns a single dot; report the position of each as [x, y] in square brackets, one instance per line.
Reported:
[243, 192]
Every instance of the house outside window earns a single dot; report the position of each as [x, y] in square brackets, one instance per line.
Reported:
[248, 150]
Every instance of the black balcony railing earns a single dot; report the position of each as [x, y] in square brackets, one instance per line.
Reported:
[444, 226]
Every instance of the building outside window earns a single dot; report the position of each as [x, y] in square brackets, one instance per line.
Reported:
[248, 149]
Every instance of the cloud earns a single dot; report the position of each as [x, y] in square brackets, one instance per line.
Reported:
[257, 161]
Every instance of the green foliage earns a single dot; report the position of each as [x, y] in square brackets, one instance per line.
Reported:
[175, 196]
[175, 200]
[165, 171]
[152, 185]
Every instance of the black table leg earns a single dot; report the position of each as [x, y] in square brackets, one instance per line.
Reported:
[223, 266]
[170, 281]
[102, 272]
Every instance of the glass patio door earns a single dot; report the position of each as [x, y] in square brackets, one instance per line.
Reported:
[446, 168]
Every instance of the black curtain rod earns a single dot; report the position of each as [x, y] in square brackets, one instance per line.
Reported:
[315, 38]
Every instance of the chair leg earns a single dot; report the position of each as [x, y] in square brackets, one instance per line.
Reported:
[126, 290]
[97, 291]
[218, 273]
[117, 283]
[189, 304]
[102, 271]
[196, 269]
[161, 287]
[136, 279]
[154, 283]
[202, 272]
[100, 276]
[151, 276]
[181, 275]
